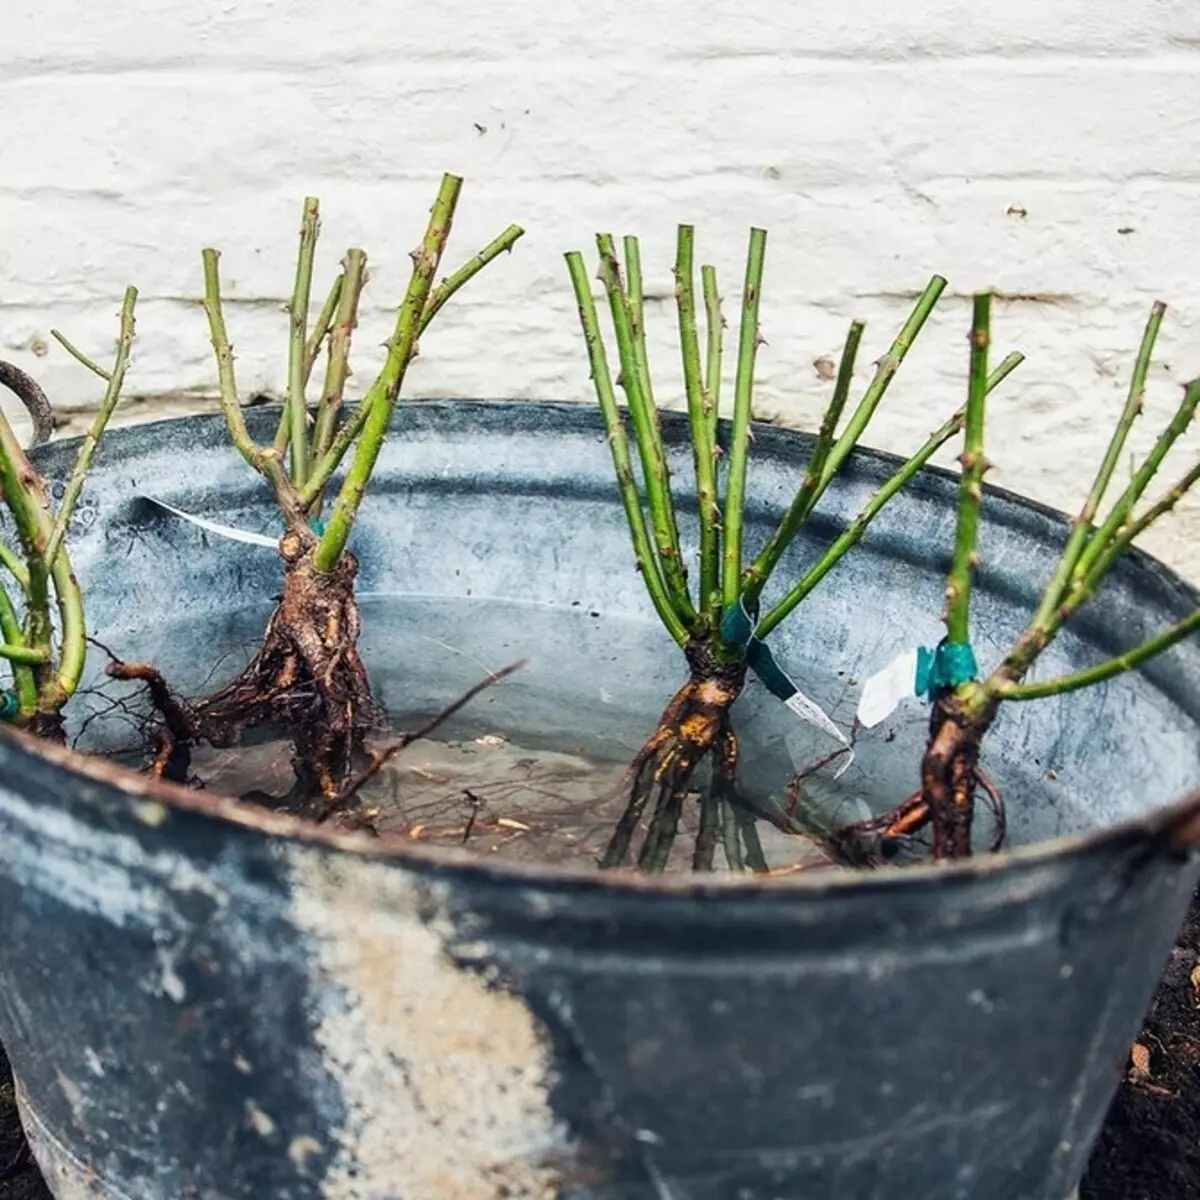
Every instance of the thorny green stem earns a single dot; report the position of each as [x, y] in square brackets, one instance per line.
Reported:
[618, 442]
[833, 414]
[25, 655]
[970, 491]
[297, 404]
[1082, 528]
[230, 406]
[1009, 364]
[325, 319]
[1105, 546]
[312, 351]
[1133, 529]
[1091, 554]
[698, 405]
[40, 685]
[24, 494]
[885, 372]
[266, 460]
[14, 566]
[353, 426]
[828, 458]
[1038, 635]
[743, 395]
[78, 355]
[1102, 671]
[87, 449]
[10, 622]
[759, 571]
[500, 244]
[381, 401]
[646, 425]
[1137, 485]
[715, 349]
[674, 570]
[283, 432]
[715, 330]
[854, 532]
[23, 681]
[73, 653]
[341, 333]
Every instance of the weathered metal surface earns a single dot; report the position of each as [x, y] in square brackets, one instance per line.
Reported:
[204, 1000]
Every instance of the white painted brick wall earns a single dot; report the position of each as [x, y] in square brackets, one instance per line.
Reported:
[1047, 148]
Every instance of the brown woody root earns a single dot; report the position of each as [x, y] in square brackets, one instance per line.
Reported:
[694, 726]
[307, 679]
[950, 776]
[48, 725]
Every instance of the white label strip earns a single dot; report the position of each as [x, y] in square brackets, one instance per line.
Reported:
[223, 531]
[883, 692]
[810, 711]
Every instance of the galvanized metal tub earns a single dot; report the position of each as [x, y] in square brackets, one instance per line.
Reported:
[200, 998]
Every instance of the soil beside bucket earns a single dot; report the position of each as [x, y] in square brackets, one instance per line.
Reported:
[196, 994]
[20, 1178]
[1149, 1148]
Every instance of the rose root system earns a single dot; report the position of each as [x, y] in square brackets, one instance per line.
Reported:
[695, 727]
[950, 777]
[307, 679]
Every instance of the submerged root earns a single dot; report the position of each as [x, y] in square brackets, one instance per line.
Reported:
[949, 772]
[48, 726]
[306, 679]
[694, 729]
[950, 775]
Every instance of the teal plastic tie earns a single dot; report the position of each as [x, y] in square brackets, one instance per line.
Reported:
[317, 526]
[944, 667]
[8, 706]
[737, 629]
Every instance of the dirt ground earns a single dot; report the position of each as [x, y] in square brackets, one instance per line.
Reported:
[1149, 1148]
[19, 1178]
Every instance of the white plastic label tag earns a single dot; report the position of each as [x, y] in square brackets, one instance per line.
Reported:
[808, 710]
[882, 693]
[223, 531]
